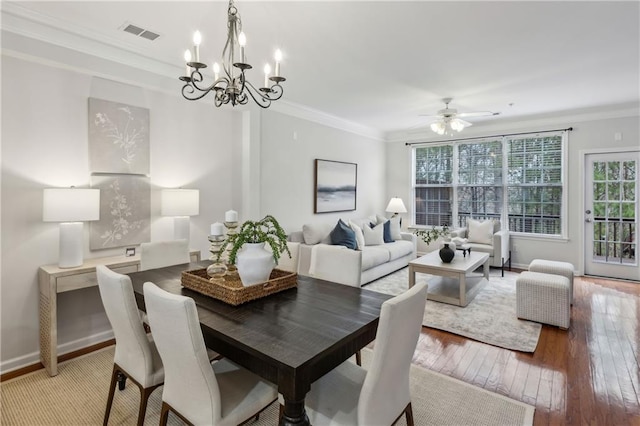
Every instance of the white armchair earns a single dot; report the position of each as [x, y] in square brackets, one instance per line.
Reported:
[487, 237]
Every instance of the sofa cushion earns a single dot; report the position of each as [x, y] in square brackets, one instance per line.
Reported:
[373, 256]
[480, 232]
[359, 234]
[315, 233]
[398, 249]
[481, 248]
[343, 235]
[373, 236]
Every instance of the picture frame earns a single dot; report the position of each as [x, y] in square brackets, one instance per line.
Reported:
[336, 184]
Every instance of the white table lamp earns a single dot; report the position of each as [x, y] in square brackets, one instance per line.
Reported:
[396, 206]
[71, 207]
[180, 203]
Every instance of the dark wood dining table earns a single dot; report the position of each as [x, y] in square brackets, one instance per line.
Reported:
[290, 338]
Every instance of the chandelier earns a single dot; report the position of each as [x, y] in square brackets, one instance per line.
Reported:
[447, 125]
[232, 86]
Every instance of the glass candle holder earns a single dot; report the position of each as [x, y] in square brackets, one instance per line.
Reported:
[217, 269]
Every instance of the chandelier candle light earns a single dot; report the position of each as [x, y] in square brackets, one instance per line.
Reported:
[233, 86]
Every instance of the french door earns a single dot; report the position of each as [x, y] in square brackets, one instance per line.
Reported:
[611, 214]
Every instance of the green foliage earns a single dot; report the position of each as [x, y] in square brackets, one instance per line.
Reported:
[430, 235]
[266, 230]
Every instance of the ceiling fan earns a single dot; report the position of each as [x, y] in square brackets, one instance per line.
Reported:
[450, 119]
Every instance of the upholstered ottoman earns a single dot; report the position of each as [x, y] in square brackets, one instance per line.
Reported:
[543, 298]
[554, 267]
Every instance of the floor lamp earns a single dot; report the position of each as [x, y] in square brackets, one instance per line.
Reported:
[71, 207]
[180, 203]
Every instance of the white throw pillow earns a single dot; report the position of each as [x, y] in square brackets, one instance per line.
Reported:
[396, 233]
[314, 233]
[359, 235]
[480, 232]
[380, 219]
[373, 236]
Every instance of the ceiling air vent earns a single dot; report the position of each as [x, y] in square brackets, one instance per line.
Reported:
[141, 32]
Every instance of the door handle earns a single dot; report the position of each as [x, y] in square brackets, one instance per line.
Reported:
[587, 220]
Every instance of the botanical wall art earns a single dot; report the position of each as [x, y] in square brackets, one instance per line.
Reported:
[125, 213]
[118, 138]
[335, 186]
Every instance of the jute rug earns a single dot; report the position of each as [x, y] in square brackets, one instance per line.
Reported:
[78, 394]
[489, 318]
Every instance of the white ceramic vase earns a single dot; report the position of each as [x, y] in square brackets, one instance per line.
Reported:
[254, 264]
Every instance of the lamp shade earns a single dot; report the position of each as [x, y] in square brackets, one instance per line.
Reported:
[396, 206]
[180, 202]
[70, 205]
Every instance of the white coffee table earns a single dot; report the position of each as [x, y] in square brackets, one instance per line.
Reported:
[454, 283]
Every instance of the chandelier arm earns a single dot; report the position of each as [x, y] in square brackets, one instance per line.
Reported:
[188, 90]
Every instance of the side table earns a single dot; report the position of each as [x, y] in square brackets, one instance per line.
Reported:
[53, 280]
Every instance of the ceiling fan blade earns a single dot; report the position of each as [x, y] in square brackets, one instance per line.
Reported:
[466, 123]
[477, 114]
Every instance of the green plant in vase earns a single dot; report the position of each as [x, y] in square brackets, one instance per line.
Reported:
[266, 230]
[430, 235]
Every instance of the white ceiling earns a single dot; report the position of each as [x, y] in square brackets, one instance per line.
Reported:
[382, 63]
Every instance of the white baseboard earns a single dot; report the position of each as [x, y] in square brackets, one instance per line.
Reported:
[34, 357]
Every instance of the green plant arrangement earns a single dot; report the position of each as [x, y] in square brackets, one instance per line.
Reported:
[266, 230]
[430, 235]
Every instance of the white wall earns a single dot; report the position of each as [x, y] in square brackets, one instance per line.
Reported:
[243, 159]
[289, 146]
[589, 133]
[44, 144]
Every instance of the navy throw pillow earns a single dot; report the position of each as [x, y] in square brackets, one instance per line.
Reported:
[343, 235]
[386, 232]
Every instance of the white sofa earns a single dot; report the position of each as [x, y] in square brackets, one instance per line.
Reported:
[320, 259]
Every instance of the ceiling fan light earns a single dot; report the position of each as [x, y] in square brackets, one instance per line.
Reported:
[435, 127]
[457, 125]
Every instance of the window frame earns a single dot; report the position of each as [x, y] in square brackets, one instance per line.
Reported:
[504, 213]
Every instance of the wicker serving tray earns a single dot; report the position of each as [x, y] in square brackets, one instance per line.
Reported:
[230, 290]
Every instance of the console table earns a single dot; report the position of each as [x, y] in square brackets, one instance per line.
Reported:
[53, 280]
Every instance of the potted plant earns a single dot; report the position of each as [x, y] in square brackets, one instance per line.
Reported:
[430, 235]
[254, 262]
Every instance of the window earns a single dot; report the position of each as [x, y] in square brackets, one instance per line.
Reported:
[518, 180]
[535, 185]
[433, 185]
[479, 181]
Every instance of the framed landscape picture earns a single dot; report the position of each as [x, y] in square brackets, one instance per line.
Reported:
[335, 186]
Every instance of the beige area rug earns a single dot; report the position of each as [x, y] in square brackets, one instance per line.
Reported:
[78, 394]
[489, 318]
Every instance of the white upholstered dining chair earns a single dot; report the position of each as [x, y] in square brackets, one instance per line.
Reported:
[379, 395]
[198, 392]
[163, 253]
[136, 356]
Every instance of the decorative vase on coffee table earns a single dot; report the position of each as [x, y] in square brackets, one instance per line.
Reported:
[446, 253]
[254, 264]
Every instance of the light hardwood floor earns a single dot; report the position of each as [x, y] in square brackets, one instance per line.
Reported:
[589, 374]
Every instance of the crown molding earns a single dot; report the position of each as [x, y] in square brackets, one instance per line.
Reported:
[19, 20]
[316, 116]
